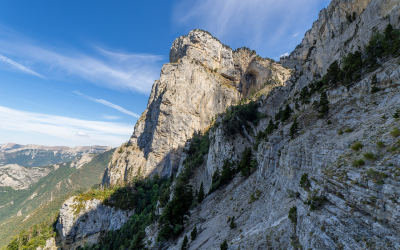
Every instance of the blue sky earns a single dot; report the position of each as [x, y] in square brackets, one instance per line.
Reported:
[80, 72]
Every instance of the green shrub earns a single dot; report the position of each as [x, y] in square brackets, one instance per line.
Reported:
[293, 214]
[357, 146]
[232, 225]
[358, 163]
[376, 176]
[255, 196]
[224, 245]
[392, 149]
[370, 156]
[380, 144]
[395, 132]
[348, 130]
[396, 114]
[340, 132]
[315, 201]
[304, 181]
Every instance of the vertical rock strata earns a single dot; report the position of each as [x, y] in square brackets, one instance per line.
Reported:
[202, 80]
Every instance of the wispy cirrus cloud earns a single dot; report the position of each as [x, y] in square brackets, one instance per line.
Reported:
[65, 130]
[115, 70]
[264, 25]
[18, 66]
[110, 117]
[108, 104]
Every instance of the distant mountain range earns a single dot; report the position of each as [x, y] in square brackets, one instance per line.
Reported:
[37, 155]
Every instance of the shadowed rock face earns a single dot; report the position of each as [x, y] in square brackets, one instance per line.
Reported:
[79, 227]
[202, 80]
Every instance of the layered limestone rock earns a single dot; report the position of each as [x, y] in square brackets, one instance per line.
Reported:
[18, 177]
[360, 208]
[333, 35]
[83, 222]
[203, 78]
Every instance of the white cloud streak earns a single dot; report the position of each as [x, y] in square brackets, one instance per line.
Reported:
[284, 55]
[69, 131]
[110, 117]
[117, 71]
[82, 134]
[18, 66]
[108, 104]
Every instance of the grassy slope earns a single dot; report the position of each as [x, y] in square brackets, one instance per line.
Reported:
[50, 191]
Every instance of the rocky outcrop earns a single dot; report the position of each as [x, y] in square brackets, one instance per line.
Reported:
[82, 160]
[18, 177]
[82, 222]
[202, 80]
[333, 36]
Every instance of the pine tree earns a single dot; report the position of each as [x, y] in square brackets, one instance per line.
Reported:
[232, 225]
[137, 242]
[270, 127]
[224, 245]
[193, 234]
[374, 81]
[184, 243]
[200, 196]
[245, 163]
[294, 127]
[286, 113]
[388, 41]
[323, 104]
[332, 75]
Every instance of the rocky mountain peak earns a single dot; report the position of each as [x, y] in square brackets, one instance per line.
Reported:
[204, 78]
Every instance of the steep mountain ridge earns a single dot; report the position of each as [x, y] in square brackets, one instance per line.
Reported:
[319, 176]
[202, 80]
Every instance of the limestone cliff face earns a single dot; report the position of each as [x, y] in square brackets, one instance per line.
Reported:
[332, 36]
[81, 224]
[358, 212]
[361, 210]
[203, 78]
